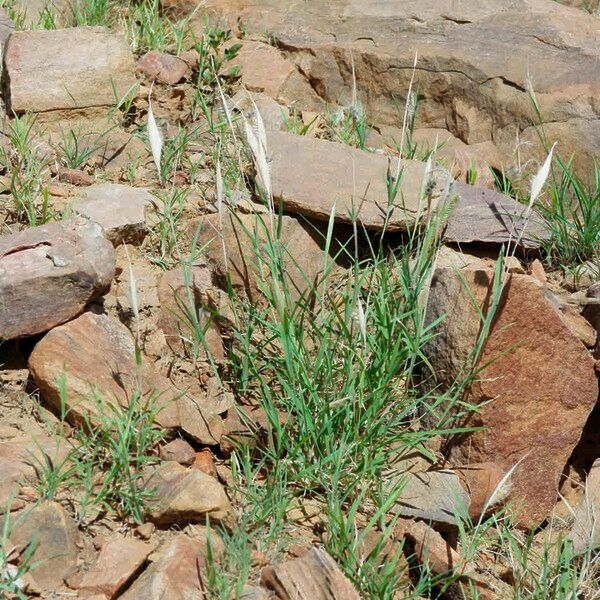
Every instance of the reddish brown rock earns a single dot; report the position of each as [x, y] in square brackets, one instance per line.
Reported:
[56, 537]
[90, 67]
[432, 549]
[179, 572]
[315, 576]
[264, 69]
[484, 484]
[119, 561]
[49, 273]
[535, 394]
[166, 68]
[186, 495]
[96, 355]
[204, 461]
[75, 177]
[178, 451]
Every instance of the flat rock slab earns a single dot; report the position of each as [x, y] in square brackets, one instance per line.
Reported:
[486, 216]
[55, 534]
[96, 355]
[184, 495]
[314, 576]
[536, 388]
[585, 533]
[432, 496]
[311, 176]
[49, 273]
[178, 573]
[119, 209]
[119, 561]
[67, 69]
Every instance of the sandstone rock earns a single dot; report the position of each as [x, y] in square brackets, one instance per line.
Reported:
[166, 68]
[484, 484]
[18, 459]
[537, 270]
[432, 549]
[474, 63]
[55, 535]
[178, 451]
[90, 67]
[68, 264]
[6, 28]
[179, 572]
[75, 177]
[265, 70]
[487, 216]
[538, 387]
[327, 174]
[119, 561]
[119, 209]
[315, 576]
[189, 290]
[303, 240]
[585, 533]
[205, 462]
[186, 495]
[96, 354]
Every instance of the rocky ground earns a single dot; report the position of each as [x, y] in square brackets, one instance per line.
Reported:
[299, 300]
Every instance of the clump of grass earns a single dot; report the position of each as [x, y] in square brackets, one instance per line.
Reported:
[28, 172]
[572, 214]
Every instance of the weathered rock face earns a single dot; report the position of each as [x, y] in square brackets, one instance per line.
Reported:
[119, 209]
[311, 176]
[74, 79]
[177, 573]
[538, 388]
[475, 61]
[264, 69]
[315, 576]
[96, 353]
[67, 264]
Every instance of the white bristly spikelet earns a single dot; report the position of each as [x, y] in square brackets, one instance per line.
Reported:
[156, 140]
[540, 179]
[362, 319]
[409, 107]
[220, 201]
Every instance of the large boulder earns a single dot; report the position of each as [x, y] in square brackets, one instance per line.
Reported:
[49, 273]
[536, 385]
[475, 62]
[90, 67]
